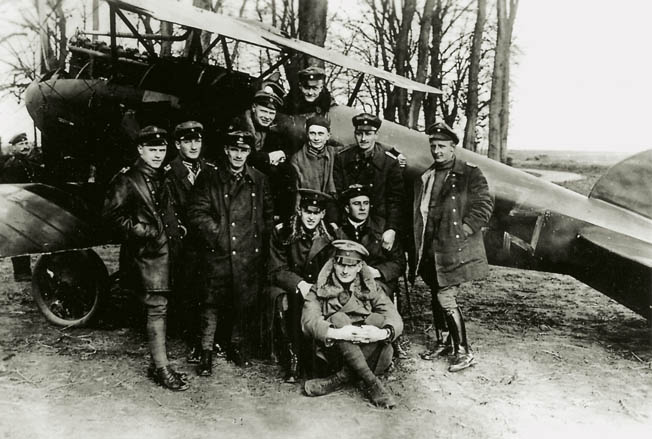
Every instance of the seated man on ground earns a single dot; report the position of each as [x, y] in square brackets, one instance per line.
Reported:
[352, 319]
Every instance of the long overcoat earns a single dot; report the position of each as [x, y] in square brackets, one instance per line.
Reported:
[139, 209]
[464, 199]
[234, 231]
[382, 172]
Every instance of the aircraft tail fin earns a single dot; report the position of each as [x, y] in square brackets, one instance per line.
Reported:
[627, 184]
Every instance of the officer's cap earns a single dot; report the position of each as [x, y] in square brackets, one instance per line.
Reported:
[240, 139]
[268, 99]
[311, 73]
[349, 252]
[356, 190]
[366, 121]
[318, 120]
[20, 137]
[311, 197]
[274, 85]
[441, 131]
[152, 136]
[188, 130]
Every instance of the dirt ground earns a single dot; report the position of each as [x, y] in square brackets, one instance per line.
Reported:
[555, 358]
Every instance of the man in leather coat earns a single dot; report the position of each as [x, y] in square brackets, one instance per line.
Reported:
[140, 210]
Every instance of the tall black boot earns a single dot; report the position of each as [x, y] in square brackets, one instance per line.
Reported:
[205, 366]
[441, 347]
[290, 355]
[463, 355]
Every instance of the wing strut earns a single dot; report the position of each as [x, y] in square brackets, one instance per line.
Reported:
[356, 89]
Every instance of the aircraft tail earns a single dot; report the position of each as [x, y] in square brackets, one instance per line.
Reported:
[627, 184]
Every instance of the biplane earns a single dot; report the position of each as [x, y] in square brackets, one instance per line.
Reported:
[89, 112]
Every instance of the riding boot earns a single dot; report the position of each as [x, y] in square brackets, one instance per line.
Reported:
[323, 386]
[205, 366]
[463, 357]
[290, 356]
[441, 347]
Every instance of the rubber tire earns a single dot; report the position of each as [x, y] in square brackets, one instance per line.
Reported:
[83, 269]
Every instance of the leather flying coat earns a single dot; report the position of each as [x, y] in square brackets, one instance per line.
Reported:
[139, 209]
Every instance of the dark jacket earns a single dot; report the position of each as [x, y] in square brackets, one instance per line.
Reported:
[234, 232]
[139, 210]
[382, 171]
[464, 199]
[20, 169]
[391, 264]
[176, 179]
[323, 301]
[296, 104]
[179, 186]
[294, 257]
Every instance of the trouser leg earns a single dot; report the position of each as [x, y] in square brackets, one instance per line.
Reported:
[208, 324]
[156, 328]
[378, 355]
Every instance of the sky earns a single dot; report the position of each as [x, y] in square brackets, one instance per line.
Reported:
[581, 82]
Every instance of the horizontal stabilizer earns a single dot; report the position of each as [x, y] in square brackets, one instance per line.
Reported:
[627, 184]
[622, 245]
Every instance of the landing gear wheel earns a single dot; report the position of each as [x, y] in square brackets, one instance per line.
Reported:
[67, 287]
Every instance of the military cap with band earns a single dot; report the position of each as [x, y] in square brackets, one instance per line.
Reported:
[239, 138]
[267, 99]
[356, 190]
[20, 137]
[366, 121]
[190, 129]
[442, 131]
[273, 85]
[311, 197]
[152, 136]
[349, 252]
[312, 73]
[318, 120]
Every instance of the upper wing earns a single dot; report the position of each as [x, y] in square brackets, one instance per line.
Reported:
[253, 33]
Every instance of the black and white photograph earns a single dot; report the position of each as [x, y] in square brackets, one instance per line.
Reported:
[325, 219]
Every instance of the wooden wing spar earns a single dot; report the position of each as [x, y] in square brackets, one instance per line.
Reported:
[250, 32]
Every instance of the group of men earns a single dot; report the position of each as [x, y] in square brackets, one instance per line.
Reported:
[312, 281]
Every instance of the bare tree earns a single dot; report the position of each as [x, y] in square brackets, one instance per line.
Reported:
[472, 107]
[499, 107]
[312, 16]
[422, 60]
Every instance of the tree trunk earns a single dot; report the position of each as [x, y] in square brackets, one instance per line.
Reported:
[312, 28]
[198, 39]
[422, 61]
[166, 46]
[504, 122]
[430, 106]
[398, 98]
[472, 106]
[497, 84]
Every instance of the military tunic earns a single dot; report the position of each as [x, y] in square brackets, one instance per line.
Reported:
[379, 170]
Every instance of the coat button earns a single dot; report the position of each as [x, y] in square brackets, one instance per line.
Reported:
[457, 236]
[232, 224]
[454, 210]
[459, 249]
[453, 197]
[454, 223]
[256, 250]
[233, 252]
[233, 238]
[226, 195]
[253, 194]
